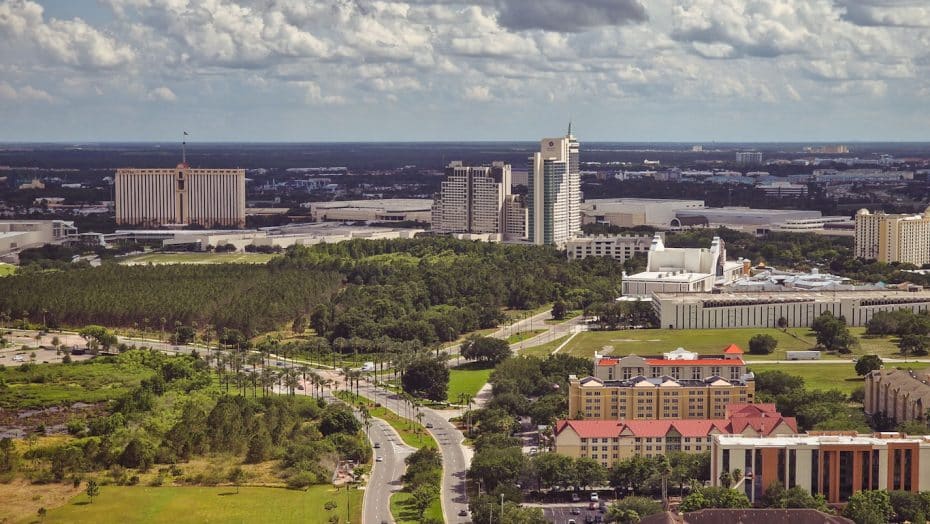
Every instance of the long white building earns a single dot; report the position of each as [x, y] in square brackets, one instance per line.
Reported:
[554, 191]
[180, 196]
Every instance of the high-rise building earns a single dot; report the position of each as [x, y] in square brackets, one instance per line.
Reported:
[477, 199]
[554, 191]
[180, 196]
[748, 158]
[893, 238]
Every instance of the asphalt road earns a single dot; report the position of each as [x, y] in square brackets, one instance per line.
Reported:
[385, 478]
[454, 465]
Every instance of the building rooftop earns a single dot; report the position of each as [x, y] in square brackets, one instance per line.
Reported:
[749, 297]
[813, 439]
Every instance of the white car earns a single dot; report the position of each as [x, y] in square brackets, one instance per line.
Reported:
[379, 459]
[593, 497]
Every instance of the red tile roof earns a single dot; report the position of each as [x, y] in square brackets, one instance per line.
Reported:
[733, 349]
[608, 362]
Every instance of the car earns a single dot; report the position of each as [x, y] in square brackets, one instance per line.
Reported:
[575, 497]
[593, 497]
[379, 459]
[592, 505]
[377, 445]
[429, 425]
[463, 512]
[576, 511]
[280, 364]
[572, 521]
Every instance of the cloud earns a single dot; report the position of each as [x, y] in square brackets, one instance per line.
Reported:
[70, 42]
[162, 94]
[568, 16]
[23, 94]
[313, 95]
[892, 13]
[477, 94]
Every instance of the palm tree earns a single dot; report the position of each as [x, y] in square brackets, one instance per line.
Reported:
[163, 322]
[253, 377]
[304, 370]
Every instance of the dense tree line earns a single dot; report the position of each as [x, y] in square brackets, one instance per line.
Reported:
[245, 297]
[912, 329]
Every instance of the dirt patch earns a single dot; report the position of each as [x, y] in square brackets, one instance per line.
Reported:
[17, 423]
[22, 500]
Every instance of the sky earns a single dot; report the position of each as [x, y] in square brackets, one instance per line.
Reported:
[449, 70]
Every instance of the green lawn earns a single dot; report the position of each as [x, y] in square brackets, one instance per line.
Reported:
[467, 378]
[404, 513]
[6, 269]
[198, 258]
[826, 376]
[42, 385]
[411, 432]
[523, 335]
[543, 350]
[174, 505]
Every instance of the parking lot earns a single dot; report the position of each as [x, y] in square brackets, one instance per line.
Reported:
[562, 513]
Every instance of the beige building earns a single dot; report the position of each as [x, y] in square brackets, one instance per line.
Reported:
[618, 247]
[377, 210]
[630, 212]
[554, 191]
[898, 394]
[678, 385]
[764, 309]
[610, 441]
[180, 196]
[477, 200]
[893, 238]
[833, 464]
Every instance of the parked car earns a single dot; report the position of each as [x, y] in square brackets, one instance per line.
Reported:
[575, 497]
[463, 512]
[429, 425]
[593, 496]
[576, 511]
[377, 445]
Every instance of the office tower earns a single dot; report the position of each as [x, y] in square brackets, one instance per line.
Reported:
[554, 196]
[180, 196]
[748, 158]
[476, 199]
[893, 238]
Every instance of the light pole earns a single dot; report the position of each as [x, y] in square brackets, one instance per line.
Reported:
[502, 508]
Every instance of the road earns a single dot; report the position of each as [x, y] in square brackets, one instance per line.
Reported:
[385, 478]
[449, 438]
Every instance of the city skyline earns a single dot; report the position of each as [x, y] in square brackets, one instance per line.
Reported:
[669, 71]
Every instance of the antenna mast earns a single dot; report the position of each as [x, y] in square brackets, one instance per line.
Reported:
[184, 148]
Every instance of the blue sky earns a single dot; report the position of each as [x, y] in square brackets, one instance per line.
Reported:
[308, 70]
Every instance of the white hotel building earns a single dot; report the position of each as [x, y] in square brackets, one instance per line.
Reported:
[554, 192]
[180, 196]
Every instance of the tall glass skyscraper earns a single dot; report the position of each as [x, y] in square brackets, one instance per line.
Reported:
[554, 196]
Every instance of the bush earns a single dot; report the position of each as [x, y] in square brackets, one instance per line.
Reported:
[301, 480]
[762, 344]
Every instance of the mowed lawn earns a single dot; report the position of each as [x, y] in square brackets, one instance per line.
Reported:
[467, 378]
[6, 269]
[822, 376]
[543, 350]
[198, 258]
[404, 512]
[173, 505]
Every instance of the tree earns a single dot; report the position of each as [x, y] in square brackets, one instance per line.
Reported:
[913, 427]
[93, 489]
[632, 473]
[423, 497]
[559, 310]
[798, 497]
[9, 458]
[338, 418]
[426, 377]
[713, 497]
[589, 472]
[869, 507]
[485, 349]
[908, 506]
[98, 337]
[762, 344]
[259, 446]
[832, 333]
[136, 455]
[868, 363]
[912, 344]
[620, 511]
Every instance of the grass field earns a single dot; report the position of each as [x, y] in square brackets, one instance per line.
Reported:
[543, 350]
[190, 504]
[197, 258]
[404, 512]
[6, 269]
[523, 335]
[44, 385]
[467, 378]
[826, 376]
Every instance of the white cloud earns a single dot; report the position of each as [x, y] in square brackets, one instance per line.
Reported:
[477, 94]
[24, 94]
[162, 94]
[313, 95]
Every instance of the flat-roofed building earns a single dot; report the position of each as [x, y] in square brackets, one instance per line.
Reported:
[893, 238]
[618, 247]
[180, 196]
[678, 385]
[611, 441]
[631, 212]
[799, 308]
[898, 394]
[835, 465]
[379, 210]
[678, 269]
[16, 235]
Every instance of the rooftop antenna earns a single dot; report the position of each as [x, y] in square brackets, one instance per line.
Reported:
[569, 126]
[184, 148]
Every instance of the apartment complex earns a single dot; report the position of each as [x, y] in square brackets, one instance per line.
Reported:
[898, 394]
[893, 238]
[554, 191]
[749, 158]
[180, 196]
[678, 385]
[477, 199]
[835, 465]
[610, 441]
[618, 247]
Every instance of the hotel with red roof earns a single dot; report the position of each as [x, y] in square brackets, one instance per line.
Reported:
[678, 385]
